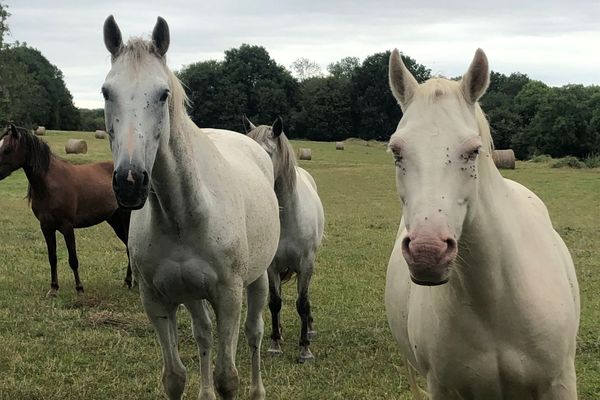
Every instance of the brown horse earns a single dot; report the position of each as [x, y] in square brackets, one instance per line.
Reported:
[63, 196]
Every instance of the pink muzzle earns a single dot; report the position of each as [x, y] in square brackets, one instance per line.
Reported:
[429, 257]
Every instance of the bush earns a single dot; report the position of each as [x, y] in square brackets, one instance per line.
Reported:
[541, 158]
[592, 160]
[568, 162]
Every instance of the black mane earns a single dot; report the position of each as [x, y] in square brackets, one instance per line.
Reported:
[38, 154]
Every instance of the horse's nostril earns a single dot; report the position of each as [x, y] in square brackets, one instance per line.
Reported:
[451, 245]
[145, 180]
[406, 244]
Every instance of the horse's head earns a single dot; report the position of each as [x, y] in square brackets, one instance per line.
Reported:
[136, 93]
[437, 147]
[274, 142]
[12, 152]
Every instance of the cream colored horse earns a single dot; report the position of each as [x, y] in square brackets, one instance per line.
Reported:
[207, 224]
[481, 292]
[302, 223]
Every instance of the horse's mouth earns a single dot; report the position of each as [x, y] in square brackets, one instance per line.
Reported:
[131, 207]
[428, 283]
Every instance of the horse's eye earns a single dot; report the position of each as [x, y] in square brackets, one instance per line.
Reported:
[165, 95]
[473, 154]
[397, 159]
[105, 93]
[7, 151]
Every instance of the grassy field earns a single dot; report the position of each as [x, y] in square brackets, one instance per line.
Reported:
[101, 346]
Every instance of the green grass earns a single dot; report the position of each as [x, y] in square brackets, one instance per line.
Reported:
[102, 347]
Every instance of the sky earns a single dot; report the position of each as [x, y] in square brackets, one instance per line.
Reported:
[557, 42]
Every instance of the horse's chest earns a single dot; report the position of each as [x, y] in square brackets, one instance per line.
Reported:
[175, 271]
[474, 357]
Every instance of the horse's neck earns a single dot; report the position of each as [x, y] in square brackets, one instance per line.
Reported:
[38, 185]
[178, 177]
[287, 197]
[484, 248]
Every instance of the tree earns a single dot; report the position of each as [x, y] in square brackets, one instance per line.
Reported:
[35, 90]
[259, 75]
[4, 14]
[345, 68]
[325, 109]
[304, 69]
[247, 82]
[375, 111]
[498, 103]
[215, 101]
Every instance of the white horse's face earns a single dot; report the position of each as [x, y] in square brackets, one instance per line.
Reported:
[136, 93]
[436, 149]
[270, 142]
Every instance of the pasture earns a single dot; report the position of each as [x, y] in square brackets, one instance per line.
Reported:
[101, 346]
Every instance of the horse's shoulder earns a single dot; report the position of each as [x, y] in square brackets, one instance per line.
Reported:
[523, 196]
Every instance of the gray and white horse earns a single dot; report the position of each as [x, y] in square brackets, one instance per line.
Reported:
[302, 220]
[481, 291]
[207, 224]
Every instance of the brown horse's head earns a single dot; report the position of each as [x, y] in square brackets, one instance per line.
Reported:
[12, 152]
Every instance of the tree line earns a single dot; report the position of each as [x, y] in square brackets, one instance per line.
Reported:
[352, 99]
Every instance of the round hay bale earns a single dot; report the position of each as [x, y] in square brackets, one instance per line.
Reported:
[339, 145]
[304, 154]
[40, 131]
[100, 134]
[504, 158]
[76, 146]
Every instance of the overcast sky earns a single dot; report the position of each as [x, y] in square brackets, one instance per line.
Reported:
[557, 42]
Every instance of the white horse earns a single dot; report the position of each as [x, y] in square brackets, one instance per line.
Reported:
[503, 321]
[207, 224]
[302, 220]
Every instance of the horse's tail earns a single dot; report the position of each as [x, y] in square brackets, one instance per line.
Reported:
[415, 390]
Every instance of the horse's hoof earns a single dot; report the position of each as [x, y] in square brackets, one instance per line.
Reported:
[305, 356]
[275, 352]
[80, 291]
[52, 292]
[312, 335]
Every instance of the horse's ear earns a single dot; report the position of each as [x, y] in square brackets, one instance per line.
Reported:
[402, 82]
[160, 36]
[248, 125]
[14, 132]
[112, 36]
[277, 127]
[476, 80]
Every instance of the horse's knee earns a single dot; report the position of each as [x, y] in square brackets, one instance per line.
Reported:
[174, 383]
[227, 382]
[303, 304]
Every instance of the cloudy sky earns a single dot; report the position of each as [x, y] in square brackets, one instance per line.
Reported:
[557, 42]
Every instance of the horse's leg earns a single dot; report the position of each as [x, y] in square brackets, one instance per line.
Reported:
[228, 307]
[303, 307]
[163, 317]
[69, 235]
[275, 308]
[120, 224]
[202, 329]
[257, 297]
[50, 237]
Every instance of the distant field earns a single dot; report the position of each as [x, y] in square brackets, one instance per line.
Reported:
[102, 347]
